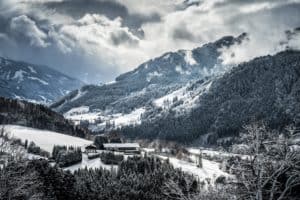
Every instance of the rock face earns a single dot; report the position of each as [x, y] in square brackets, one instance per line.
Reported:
[35, 83]
[152, 79]
[266, 88]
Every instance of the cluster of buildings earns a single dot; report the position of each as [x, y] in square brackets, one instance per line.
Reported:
[112, 143]
[129, 148]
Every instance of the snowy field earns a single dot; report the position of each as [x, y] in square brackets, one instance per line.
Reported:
[43, 138]
[209, 170]
[83, 113]
[210, 152]
[90, 164]
[47, 139]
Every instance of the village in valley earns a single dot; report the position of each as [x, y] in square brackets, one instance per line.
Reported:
[107, 151]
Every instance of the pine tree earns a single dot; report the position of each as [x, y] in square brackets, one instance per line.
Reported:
[200, 164]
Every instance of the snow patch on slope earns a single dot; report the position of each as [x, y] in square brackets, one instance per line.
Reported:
[19, 75]
[132, 118]
[79, 94]
[179, 69]
[82, 113]
[188, 98]
[39, 80]
[117, 120]
[189, 58]
[152, 75]
[77, 110]
[31, 70]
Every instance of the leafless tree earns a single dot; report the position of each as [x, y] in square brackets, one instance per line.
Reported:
[7, 148]
[273, 169]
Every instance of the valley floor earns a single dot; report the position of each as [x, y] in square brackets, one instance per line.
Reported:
[47, 139]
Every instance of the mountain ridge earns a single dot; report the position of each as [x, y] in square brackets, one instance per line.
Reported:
[36, 83]
[266, 88]
[167, 73]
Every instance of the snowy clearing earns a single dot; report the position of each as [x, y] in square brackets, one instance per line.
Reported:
[188, 97]
[43, 138]
[77, 111]
[90, 164]
[216, 153]
[132, 118]
[210, 169]
[82, 113]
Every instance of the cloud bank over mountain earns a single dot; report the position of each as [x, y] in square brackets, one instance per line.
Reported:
[95, 40]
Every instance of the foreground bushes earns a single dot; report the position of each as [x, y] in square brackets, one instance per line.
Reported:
[110, 158]
[66, 156]
[135, 179]
[34, 149]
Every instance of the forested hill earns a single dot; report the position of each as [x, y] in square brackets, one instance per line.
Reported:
[266, 88]
[37, 116]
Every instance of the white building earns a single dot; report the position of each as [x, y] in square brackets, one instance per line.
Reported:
[123, 147]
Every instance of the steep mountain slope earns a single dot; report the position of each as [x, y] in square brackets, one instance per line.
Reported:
[33, 82]
[266, 88]
[134, 92]
[23, 113]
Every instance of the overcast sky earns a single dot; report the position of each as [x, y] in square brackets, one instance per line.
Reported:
[96, 40]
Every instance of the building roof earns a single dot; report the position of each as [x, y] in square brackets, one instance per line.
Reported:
[121, 145]
[90, 146]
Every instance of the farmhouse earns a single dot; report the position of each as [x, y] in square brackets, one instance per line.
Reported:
[90, 148]
[123, 147]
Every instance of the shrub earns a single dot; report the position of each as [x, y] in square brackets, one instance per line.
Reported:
[111, 158]
[34, 149]
[66, 156]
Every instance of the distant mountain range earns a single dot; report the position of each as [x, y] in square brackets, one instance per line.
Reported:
[191, 96]
[138, 92]
[188, 96]
[34, 83]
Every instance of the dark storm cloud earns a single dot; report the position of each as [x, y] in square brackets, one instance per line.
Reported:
[109, 8]
[182, 33]
[25, 28]
[243, 2]
[95, 40]
[122, 37]
[287, 15]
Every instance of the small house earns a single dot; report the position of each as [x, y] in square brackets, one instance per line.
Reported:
[90, 148]
[123, 147]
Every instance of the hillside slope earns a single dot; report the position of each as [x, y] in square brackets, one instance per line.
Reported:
[266, 88]
[34, 83]
[135, 91]
[23, 113]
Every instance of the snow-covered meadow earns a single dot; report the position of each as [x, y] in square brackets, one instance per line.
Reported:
[210, 170]
[44, 138]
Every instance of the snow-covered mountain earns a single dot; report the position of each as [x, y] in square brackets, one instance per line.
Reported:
[34, 83]
[266, 88]
[137, 93]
